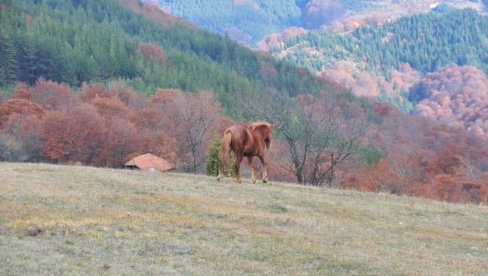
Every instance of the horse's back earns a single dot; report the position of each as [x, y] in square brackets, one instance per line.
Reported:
[239, 136]
[239, 133]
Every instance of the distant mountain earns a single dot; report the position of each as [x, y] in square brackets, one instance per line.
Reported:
[250, 21]
[389, 61]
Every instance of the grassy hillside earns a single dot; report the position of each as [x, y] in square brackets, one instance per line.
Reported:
[78, 220]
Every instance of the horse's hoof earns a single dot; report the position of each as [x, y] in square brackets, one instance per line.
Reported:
[265, 181]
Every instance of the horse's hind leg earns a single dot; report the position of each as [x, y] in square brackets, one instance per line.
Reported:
[265, 169]
[224, 153]
[221, 173]
[238, 165]
[221, 170]
[252, 168]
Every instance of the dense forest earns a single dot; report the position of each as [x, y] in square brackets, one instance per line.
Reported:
[248, 21]
[99, 82]
[251, 21]
[79, 41]
[427, 42]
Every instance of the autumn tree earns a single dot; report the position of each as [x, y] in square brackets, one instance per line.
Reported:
[132, 98]
[152, 51]
[75, 135]
[90, 92]
[197, 118]
[121, 143]
[52, 95]
[19, 106]
[20, 138]
[406, 171]
[21, 91]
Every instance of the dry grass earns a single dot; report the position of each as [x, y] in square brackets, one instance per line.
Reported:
[102, 221]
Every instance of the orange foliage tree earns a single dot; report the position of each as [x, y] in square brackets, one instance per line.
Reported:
[51, 95]
[19, 106]
[152, 51]
[75, 135]
[21, 91]
[90, 92]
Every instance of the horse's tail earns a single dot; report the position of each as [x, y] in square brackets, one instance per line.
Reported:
[224, 152]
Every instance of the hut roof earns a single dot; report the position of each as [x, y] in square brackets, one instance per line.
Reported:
[149, 162]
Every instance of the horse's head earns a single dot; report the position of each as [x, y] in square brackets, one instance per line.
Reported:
[265, 130]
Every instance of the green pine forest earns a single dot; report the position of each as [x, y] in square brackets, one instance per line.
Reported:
[79, 41]
[257, 18]
[427, 42]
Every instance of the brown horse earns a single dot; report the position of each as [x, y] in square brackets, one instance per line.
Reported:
[247, 142]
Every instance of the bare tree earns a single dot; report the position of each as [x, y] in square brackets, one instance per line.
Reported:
[196, 117]
[321, 132]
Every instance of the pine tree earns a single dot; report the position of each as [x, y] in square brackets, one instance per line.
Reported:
[8, 63]
[26, 54]
[213, 161]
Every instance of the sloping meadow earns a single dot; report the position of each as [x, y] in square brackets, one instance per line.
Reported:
[78, 220]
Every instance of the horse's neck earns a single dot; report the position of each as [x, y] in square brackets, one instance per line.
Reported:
[257, 137]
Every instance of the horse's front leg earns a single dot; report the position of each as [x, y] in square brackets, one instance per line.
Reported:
[252, 168]
[265, 168]
[238, 167]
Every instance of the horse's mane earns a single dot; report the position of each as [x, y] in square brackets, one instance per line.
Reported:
[260, 123]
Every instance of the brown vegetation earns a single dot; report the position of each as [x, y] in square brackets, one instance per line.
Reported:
[151, 11]
[276, 39]
[425, 158]
[107, 126]
[456, 96]
[352, 76]
[152, 51]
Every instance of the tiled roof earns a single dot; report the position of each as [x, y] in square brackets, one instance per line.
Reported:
[149, 162]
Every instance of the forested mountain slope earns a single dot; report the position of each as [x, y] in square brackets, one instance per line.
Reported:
[390, 62]
[427, 42]
[249, 21]
[84, 41]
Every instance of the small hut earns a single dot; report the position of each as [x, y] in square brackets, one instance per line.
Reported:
[149, 162]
